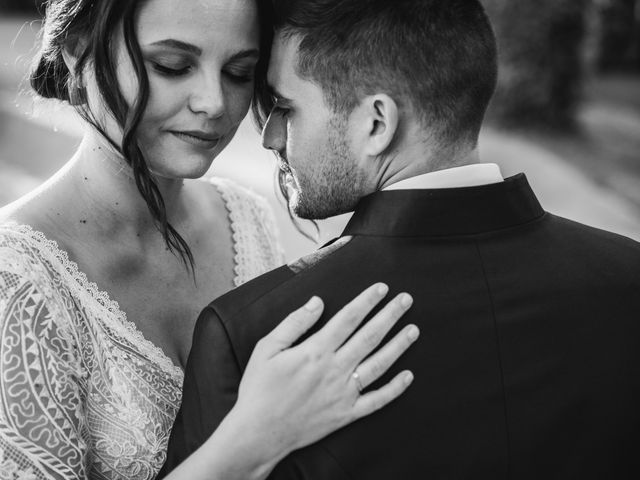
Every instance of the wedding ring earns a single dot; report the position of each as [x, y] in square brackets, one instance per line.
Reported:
[356, 377]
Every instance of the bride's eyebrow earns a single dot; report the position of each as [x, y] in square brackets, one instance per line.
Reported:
[193, 49]
[251, 54]
[178, 45]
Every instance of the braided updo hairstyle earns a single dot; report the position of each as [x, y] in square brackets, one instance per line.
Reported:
[93, 24]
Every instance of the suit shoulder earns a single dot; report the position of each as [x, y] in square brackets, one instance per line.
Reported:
[596, 237]
[230, 304]
[586, 248]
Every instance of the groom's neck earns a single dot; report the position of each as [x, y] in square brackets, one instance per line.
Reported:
[411, 162]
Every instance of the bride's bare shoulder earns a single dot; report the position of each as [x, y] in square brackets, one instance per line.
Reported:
[22, 211]
[39, 211]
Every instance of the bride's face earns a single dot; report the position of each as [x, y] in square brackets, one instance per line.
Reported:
[200, 57]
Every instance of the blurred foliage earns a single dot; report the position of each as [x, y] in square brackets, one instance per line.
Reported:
[540, 51]
[620, 35]
[20, 5]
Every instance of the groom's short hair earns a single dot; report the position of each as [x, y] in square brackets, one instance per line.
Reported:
[437, 57]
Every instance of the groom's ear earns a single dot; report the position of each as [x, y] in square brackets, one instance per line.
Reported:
[381, 123]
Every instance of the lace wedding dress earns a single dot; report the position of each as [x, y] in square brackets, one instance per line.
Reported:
[82, 393]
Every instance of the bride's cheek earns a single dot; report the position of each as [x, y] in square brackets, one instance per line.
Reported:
[238, 102]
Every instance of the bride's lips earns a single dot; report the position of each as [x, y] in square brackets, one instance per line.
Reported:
[205, 140]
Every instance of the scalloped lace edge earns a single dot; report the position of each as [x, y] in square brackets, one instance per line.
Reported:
[231, 199]
[80, 280]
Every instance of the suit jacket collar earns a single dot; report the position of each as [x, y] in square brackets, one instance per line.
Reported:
[446, 212]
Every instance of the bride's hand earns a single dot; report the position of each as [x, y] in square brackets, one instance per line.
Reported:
[298, 395]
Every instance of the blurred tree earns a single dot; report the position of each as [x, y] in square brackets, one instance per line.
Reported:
[636, 38]
[20, 5]
[540, 47]
[620, 35]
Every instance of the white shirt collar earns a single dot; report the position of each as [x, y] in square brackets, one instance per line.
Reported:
[465, 176]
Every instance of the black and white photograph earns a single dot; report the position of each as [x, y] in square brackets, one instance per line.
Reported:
[319, 239]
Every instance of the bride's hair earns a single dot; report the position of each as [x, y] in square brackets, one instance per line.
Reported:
[88, 27]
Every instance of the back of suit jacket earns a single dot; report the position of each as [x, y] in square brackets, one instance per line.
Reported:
[528, 365]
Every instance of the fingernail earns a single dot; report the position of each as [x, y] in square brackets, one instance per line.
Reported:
[382, 289]
[408, 378]
[314, 304]
[413, 333]
[406, 300]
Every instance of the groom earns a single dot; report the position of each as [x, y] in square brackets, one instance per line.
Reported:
[529, 360]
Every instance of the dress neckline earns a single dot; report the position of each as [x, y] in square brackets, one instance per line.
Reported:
[102, 297]
[82, 283]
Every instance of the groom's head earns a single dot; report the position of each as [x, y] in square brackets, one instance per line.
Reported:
[358, 84]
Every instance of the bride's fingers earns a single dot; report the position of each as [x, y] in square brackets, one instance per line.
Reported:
[377, 364]
[346, 321]
[370, 402]
[296, 324]
[365, 340]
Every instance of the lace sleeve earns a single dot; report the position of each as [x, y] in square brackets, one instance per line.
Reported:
[255, 234]
[267, 229]
[41, 421]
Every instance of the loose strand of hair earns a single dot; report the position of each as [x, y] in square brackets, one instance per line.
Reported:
[143, 176]
[129, 119]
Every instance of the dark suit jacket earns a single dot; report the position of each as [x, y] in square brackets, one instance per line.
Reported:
[528, 365]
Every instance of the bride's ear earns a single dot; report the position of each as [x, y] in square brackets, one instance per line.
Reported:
[382, 123]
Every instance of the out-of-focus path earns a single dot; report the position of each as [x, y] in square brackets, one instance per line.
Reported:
[35, 142]
[562, 188]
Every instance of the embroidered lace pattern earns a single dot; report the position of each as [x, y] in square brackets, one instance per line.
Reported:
[83, 394]
[255, 237]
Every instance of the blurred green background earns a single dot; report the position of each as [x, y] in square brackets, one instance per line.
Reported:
[567, 113]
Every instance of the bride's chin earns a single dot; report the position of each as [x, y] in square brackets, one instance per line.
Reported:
[189, 167]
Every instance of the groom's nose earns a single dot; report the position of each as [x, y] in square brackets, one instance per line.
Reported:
[274, 133]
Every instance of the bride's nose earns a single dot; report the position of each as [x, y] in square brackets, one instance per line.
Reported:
[207, 97]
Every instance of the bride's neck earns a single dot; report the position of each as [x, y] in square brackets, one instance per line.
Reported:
[105, 191]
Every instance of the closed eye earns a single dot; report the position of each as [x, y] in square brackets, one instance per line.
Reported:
[282, 111]
[239, 77]
[280, 106]
[170, 71]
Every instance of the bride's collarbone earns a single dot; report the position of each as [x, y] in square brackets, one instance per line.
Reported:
[154, 274]
[158, 294]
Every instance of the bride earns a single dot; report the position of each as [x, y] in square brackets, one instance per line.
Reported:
[105, 267]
